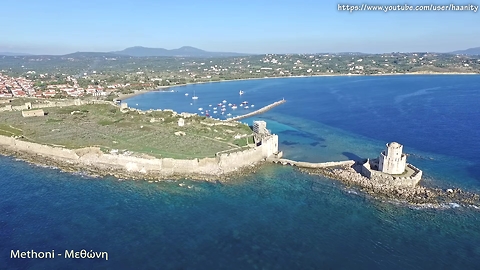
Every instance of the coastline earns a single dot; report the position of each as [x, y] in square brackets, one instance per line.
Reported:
[120, 174]
[93, 161]
[160, 88]
[347, 175]
[419, 196]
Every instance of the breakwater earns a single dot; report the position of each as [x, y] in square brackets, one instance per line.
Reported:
[259, 111]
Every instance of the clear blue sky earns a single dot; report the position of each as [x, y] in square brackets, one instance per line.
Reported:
[248, 26]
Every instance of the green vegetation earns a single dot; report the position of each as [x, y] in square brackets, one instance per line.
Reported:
[7, 130]
[155, 133]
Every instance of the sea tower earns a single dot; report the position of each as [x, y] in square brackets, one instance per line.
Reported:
[392, 160]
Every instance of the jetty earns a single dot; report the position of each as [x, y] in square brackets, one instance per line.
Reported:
[312, 165]
[259, 111]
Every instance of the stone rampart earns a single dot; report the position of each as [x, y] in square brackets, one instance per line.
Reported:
[50, 104]
[387, 179]
[93, 157]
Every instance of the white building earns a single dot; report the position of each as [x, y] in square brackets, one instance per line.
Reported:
[392, 160]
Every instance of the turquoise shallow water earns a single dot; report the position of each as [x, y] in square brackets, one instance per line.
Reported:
[278, 218]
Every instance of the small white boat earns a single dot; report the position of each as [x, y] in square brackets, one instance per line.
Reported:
[229, 114]
[230, 104]
[200, 109]
[223, 106]
[186, 94]
[224, 101]
[246, 107]
[241, 92]
[194, 97]
[234, 107]
[210, 105]
[214, 111]
[252, 105]
[191, 103]
[241, 105]
[223, 109]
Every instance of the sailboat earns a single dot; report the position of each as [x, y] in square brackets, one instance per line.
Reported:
[194, 96]
[241, 92]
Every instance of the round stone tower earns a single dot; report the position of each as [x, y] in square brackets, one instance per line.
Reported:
[392, 160]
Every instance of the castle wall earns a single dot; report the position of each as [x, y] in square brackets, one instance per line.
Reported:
[50, 104]
[386, 179]
[92, 156]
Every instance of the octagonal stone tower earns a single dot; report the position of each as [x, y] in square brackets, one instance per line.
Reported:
[392, 160]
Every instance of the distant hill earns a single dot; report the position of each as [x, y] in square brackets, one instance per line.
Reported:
[185, 51]
[13, 54]
[91, 54]
[471, 51]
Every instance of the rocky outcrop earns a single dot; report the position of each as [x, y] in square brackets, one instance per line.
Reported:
[417, 195]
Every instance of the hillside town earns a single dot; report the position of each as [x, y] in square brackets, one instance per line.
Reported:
[103, 76]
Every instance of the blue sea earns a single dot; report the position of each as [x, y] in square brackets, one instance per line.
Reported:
[277, 218]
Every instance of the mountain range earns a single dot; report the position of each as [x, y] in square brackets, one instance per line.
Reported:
[14, 54]
[185, 51]
[471, 51]
[188, 51]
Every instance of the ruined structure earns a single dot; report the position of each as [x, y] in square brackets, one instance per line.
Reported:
[260, 131]
[33, 113]
[391, 168]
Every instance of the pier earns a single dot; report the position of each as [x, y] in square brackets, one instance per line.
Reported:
[259, 111]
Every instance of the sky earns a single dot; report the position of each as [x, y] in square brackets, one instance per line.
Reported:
[246, 26]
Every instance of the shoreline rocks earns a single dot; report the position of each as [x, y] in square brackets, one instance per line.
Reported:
[347, 175]
[418, 195]
[71, 167]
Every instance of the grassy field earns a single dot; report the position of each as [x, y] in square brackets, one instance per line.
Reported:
[105, 126]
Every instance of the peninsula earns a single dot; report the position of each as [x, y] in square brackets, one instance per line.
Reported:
[99, 137]
[105, 138]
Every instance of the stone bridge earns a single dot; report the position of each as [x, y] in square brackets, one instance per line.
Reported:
[313, 165]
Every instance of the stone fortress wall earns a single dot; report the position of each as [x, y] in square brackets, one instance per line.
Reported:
[50, 104]
[409, 180]
[93, 157]
[391, 168]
